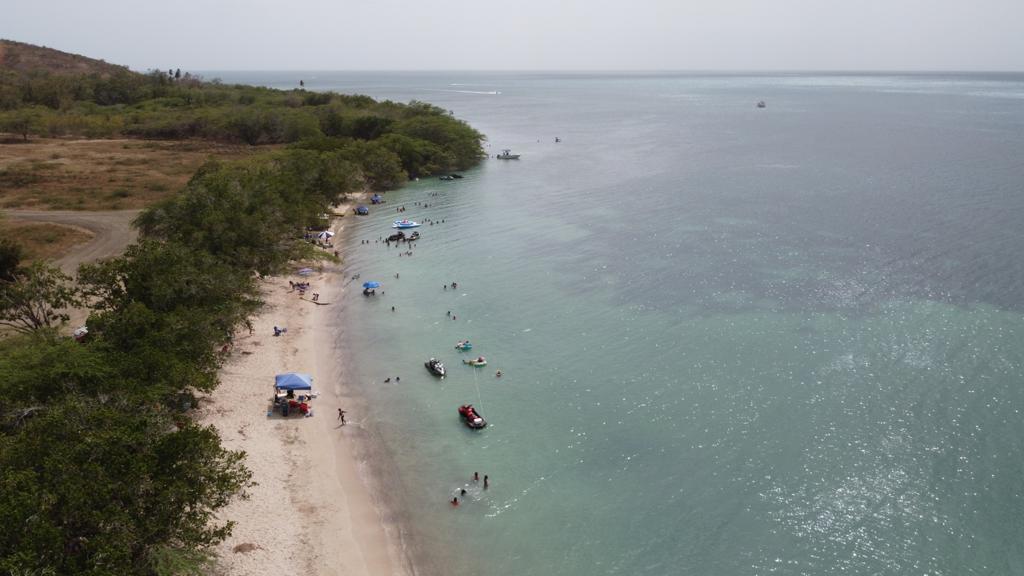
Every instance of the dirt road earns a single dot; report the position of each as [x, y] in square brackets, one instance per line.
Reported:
[112, 232]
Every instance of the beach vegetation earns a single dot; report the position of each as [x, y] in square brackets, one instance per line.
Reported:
[156, 106]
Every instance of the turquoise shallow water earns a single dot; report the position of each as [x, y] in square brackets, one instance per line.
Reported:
[735, 341]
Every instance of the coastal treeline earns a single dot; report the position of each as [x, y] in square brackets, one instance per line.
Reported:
[102, 468]
[406, 140]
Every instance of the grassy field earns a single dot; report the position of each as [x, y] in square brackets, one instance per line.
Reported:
[44, 240]
[58, 174]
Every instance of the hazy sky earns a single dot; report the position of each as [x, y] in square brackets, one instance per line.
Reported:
[529, 34]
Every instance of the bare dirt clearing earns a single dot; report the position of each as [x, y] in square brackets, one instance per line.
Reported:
[59, 174]
[111, 232]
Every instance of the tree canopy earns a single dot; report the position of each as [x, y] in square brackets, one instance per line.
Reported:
[163, 106]
[102, 470]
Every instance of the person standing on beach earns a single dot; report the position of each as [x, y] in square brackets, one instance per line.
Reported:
[341, 416]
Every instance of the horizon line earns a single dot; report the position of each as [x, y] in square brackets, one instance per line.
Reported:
[581, 71]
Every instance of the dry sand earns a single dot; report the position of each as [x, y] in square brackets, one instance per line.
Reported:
[312, 511]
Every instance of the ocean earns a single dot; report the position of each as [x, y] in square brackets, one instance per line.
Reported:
[734, 341]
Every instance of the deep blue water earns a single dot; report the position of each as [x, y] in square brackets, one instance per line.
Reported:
[734, 340]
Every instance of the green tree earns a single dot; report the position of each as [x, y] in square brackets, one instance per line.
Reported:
[24, 122]
[38, 297]
[93, 486]
[11, 255]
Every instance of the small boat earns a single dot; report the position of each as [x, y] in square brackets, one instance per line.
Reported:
[480, 361]
[401, 224]
[362, 210]
[413, 236]
[464, 345]
[507, 154]
[435, 367]
[445, 177]
[396, 237]
[471, 417]
[761, 104]
[456, 176]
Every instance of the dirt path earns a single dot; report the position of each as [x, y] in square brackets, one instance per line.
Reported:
[112, 232]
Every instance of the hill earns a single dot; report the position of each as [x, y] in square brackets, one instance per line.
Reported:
[23, 58]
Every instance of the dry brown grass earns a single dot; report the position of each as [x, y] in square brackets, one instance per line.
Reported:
[58, 174]
[44, 240]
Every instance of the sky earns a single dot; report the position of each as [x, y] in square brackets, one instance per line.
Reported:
[726, 35]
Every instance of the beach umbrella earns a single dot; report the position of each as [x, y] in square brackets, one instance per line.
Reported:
[371, 284]
[293, 381]
[325, 235]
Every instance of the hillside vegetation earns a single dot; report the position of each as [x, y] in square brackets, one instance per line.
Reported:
[386, 141]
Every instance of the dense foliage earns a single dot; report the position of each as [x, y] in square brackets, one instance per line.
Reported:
[102, 471]
[389, 141]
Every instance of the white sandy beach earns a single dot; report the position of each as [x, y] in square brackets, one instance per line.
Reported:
[311, 512]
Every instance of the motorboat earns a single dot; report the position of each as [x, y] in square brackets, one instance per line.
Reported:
[445, 177]
[435, 367]
[401, 237]
[471, 418]
[464, 345]
[362, 210]
[405, 223]
[478, 361]
[456, 176]
[507, 154]
[761, 104]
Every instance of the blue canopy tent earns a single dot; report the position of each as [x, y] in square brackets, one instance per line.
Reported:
[293, 381]
[371, 284]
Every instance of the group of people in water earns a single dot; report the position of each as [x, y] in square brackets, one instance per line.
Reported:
[463, 492]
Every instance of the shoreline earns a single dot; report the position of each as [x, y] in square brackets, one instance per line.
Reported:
[313, 509]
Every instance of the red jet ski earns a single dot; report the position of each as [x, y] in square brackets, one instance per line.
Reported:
[471, 418]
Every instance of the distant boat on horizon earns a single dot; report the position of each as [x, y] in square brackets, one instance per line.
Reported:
[761, 104]
[507, 154]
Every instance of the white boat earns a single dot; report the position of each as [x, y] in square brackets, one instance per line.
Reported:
[507, 154]
[405, 224]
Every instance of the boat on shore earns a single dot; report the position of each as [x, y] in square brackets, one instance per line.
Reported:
[435, 367]
[507, 154]
[479, 361]
[471, 418]
[405, 223]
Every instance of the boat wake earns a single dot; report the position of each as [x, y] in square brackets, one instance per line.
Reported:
[481, 92]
